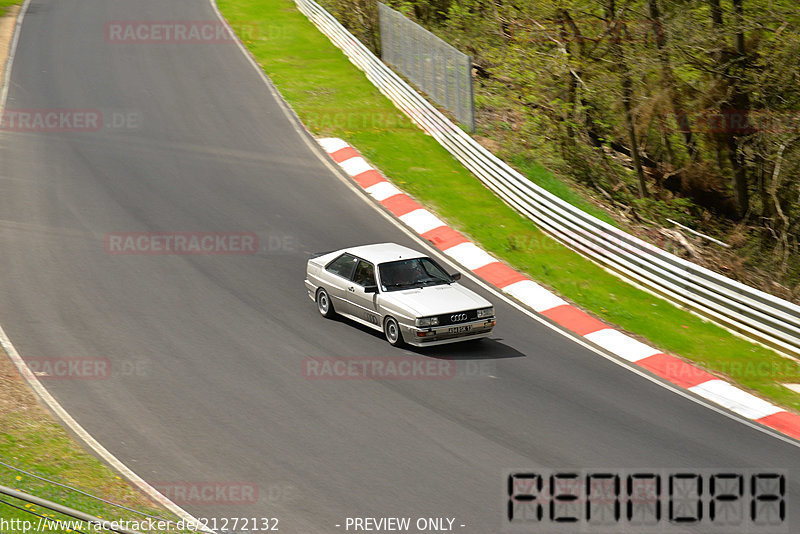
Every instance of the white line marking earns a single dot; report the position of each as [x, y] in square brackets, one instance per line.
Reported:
[333, 144]
[470, 255]
[735, 399]
[355, 166]
[12, 51]
[422, 221]
[383, 190]
[621, 345]
[532, 294]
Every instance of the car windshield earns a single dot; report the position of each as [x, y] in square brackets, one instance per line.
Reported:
[406, 274]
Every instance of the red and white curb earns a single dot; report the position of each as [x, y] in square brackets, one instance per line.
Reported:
[526, 291]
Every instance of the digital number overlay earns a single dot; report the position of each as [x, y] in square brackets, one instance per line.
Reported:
[646, 501]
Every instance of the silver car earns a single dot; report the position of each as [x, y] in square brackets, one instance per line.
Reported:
[399, 291]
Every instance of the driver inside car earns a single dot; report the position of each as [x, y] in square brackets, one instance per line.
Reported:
[413, 274]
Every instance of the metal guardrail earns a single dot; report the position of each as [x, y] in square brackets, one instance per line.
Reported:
[98, 522]
[39, 494]
[754, 313]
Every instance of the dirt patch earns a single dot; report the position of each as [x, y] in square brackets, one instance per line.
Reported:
[7, 24]
[15, 397]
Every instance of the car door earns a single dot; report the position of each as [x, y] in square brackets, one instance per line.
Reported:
[364, 305]
[339, 277]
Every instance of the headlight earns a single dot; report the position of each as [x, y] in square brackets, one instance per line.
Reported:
[427, 321]
[485, 312]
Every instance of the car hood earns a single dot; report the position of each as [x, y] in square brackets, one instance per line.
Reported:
[436, 300]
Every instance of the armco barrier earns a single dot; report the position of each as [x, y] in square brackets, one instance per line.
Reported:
[761, 316]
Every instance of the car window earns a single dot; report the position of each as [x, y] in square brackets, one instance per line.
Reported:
[406, 274]
[434, 270]
[343, 266]
[365, 274]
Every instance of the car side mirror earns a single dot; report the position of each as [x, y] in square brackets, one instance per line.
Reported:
[456, 276]
[370, 289]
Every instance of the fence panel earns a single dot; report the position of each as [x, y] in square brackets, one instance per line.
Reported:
[440, 70]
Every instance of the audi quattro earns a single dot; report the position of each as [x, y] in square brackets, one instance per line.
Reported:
[396, 290]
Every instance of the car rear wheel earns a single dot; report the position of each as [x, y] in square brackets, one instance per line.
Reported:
[392, 331]
[324, 304]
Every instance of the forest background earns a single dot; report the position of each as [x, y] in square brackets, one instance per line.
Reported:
[653, 111]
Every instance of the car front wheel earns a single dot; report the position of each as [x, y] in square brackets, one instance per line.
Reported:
[392, 331]
[324, 304]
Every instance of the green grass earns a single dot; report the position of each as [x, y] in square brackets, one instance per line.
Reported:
[333, 98]
[5, 4]
[31, 440]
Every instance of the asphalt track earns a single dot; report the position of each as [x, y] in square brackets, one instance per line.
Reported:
[207, 351]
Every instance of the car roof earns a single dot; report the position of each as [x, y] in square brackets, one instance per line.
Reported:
[383, 252]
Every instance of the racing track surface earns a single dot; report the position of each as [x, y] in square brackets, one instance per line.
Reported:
[207, 350]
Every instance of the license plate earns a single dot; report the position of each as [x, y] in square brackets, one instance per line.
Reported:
[459, 329]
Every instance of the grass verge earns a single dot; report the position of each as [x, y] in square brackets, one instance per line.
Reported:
[5, 4]
[31, 440]
[333, 98]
